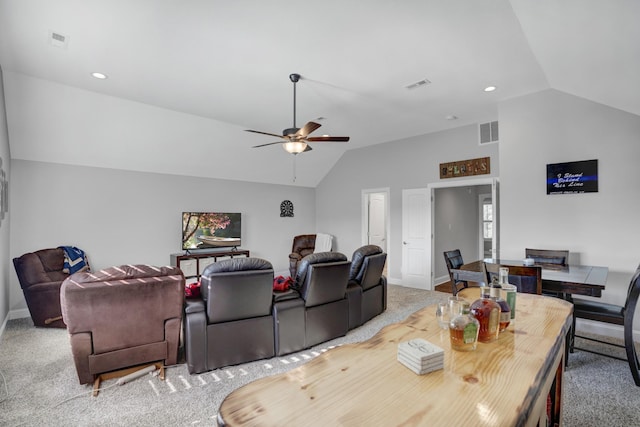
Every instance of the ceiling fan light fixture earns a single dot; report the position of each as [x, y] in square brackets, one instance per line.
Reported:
[294, 147]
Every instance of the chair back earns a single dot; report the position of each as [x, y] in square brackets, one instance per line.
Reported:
[528, 279]
[303, 244]
[42, 266]
[547, 256]
[322, 278]
[633, 293]
[237, 288]
[367, 265]
[453, 259]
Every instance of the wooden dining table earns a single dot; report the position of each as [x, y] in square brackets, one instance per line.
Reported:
[566, 280]
[508, 382]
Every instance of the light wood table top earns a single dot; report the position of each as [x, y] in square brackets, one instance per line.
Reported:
[504, 383]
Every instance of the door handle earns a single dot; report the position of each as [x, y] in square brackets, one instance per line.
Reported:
[404, 243]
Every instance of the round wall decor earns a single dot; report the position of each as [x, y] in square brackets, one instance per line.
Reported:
[286, 208]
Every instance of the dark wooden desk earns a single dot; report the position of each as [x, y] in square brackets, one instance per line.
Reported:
[504, 383]
[573, 279]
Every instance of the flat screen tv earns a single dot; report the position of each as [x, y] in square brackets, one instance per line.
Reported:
[211, 230]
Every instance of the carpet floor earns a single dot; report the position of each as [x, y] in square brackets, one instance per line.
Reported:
[39, 386]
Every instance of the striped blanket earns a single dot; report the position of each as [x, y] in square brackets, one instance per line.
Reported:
[74, 260]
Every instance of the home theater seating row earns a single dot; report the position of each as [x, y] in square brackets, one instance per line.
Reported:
[239, 318]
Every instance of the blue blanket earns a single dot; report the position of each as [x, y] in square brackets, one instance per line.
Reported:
[74, 259]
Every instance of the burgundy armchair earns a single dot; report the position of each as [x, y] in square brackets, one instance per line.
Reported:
[122, 317]
[40, 275]
[303, 245]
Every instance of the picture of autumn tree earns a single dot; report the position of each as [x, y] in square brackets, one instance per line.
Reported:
[198, 225]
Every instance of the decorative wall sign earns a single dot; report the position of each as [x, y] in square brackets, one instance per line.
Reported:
[572, 177]
[479, 166]
[286, 208]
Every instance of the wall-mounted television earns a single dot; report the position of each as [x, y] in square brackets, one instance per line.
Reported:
[211, 230]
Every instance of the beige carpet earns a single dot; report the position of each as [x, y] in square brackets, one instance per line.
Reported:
[39, 387]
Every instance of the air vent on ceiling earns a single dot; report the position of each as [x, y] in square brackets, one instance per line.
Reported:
[422, 82]
[58, 40]
[488, 132]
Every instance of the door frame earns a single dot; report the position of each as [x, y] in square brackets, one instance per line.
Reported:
[494, 182]
[387, 220]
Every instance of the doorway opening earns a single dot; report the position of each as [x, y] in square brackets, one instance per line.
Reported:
[458, 223]
[375, 220]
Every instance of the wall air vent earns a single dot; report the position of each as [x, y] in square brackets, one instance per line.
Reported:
[58, 40]
[488, 132]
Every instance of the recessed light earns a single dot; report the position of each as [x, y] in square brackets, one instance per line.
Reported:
[490, 88]
[451, 117]
[99, 76]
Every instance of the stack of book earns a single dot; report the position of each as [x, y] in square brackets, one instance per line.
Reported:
[420, 356]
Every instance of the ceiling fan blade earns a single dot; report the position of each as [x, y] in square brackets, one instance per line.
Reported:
[327, 139]
[308, 148]
[265, 133]
[307, 129]
[268, 143]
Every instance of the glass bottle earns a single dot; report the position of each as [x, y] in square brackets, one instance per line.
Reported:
[505, 310]
[464, 329]
[487, 312]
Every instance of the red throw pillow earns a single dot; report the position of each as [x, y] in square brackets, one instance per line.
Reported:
[192, 290]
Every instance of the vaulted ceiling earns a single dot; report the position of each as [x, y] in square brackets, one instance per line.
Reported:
[201, 72]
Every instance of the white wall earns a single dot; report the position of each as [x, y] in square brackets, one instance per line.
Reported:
[398, 165]
[123, 217]
[5, 264]
[598, 228]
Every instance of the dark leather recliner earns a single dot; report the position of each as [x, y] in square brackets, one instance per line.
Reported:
[232, 322]
[303, 245]
[316, 309]
[122, 317]
[367, 287]
[40, 275]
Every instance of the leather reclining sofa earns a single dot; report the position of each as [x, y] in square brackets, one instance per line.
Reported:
[240, 319]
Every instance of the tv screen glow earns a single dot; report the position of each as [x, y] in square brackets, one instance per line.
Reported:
[210, 230]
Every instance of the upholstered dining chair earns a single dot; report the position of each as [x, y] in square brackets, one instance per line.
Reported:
[454, 261]
[614, 314]
[552, 259]
[528, 279]
[548, 256]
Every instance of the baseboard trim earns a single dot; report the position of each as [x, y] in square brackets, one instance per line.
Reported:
[20, 313]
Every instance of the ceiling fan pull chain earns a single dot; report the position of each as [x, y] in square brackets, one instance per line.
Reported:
[294, 168]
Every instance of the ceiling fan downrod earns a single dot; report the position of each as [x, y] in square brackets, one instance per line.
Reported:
[294, 79]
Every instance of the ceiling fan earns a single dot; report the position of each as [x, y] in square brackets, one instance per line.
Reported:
[296, 139]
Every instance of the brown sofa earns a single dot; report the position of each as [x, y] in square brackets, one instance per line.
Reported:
[40, 275]
[122, 316]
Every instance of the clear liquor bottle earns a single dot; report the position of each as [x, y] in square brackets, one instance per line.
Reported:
[487, 312]
[505, 310]
[464, 329]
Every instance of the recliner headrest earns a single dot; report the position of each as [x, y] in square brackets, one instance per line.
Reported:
[316, 258]
[237, 264]
[358, 258]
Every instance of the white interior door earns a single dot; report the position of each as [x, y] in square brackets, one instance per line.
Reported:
[416, 238]
[377, 229]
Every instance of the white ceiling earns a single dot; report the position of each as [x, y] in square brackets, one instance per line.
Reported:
[229, 61]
